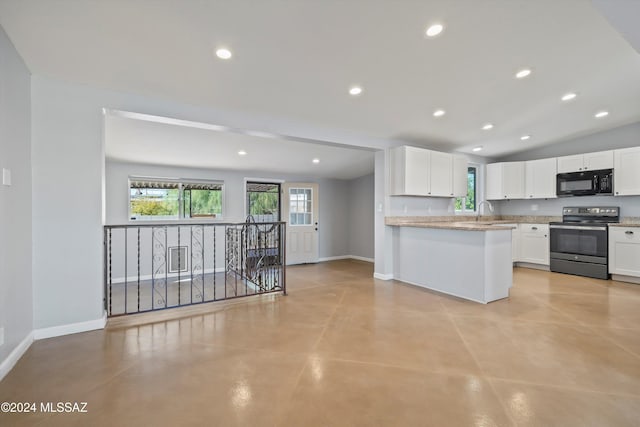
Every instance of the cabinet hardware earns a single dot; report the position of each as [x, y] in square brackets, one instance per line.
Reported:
[534, 228]
[628, 232]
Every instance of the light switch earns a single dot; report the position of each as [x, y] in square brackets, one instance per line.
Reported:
[6, 176]
[1, 336]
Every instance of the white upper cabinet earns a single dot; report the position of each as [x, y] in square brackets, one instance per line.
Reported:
[540, 179]
[421, 172]
[626, 178]
[505, 180]
[460, 168]
[409, 173]
[441, 169]
[588, 161]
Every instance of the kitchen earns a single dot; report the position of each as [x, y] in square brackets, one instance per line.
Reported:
[592, 241]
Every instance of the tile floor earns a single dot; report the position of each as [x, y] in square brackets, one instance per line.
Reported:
[344, 349]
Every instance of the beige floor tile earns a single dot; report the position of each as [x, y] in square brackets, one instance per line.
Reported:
[597, 310]
[549, 353]
[392, 296]
[626, 338]
[335, 393]
[546, 282]
[533, 405]
[344, 348]
[521, 305]
[397, 338]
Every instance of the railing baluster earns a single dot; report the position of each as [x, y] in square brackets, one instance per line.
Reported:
[179, 265]
[254, 255]
[126, 270]
[138, 268]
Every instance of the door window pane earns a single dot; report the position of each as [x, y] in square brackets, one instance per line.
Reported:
[300, 206]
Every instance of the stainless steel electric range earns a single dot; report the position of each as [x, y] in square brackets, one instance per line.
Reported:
[579, 244]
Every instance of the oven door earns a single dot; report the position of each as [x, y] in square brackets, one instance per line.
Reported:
[579, 240]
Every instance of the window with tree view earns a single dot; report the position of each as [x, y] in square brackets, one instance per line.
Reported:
[173, 199]
[263, 201]
[468, 203]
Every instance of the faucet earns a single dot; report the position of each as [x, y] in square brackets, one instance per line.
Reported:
[480, 205]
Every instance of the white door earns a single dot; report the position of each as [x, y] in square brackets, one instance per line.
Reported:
[300, 211]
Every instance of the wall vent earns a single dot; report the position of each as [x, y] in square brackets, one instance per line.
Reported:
[178, 261]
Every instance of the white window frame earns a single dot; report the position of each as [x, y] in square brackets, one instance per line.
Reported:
[181, 182]
[479, 180]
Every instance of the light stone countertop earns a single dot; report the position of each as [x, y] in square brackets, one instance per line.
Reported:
[466, 222]
[466, 226]
[627, 223]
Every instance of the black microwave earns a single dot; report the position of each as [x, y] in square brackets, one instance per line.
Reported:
[586, 183]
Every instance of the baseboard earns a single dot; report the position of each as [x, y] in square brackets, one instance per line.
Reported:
[532, 266]
[361, 258]
[628, 279]
[13, 357]
[134, 279]
[71, 328]
[335, 258]
[383, 276]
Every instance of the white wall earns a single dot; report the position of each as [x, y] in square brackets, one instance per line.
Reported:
[68, 167]
[334, 240]
[67, 157]
[16, 294]
[361, 216]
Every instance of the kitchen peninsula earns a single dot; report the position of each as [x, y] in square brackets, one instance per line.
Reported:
[470, 260]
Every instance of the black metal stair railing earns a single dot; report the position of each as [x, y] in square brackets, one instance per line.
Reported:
[158, 266]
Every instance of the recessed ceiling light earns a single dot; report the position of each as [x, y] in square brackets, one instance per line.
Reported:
[568, 96]
[316, 161]
[242, 153]
[434, 30]
[487, 126]
[525, 137]
[439, 113]
[223, 53]
[601, 114]
[355, 90]
[477, 148]
[523, 73]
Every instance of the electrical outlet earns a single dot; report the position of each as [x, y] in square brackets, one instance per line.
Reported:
[1, 336]
[534, 207]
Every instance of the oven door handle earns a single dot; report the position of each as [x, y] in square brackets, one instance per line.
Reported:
[578, 227]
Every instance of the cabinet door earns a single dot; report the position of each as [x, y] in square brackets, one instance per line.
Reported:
[460, 171]
[626, 178]
[441, 171]
[513, 180]
[494, 181]
[409, 171]
[598, 160]
[624, 251]
[534, 243]
[515, 242]
[570, 163]
[540, 179]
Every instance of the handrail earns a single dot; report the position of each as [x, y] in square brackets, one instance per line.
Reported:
[160, 265]
[147, 224]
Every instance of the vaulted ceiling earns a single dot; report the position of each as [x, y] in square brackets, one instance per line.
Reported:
[298, 59]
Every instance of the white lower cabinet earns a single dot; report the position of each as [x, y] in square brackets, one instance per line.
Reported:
[624, 251]
[534, 243]
[515, 242]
